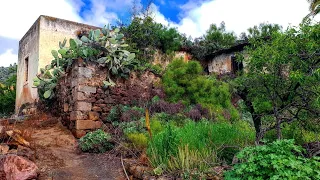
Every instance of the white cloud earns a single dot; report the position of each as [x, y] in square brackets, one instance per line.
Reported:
[103, 12]
[158, 17]
[17, 16]
[8, 58]
[240, 15]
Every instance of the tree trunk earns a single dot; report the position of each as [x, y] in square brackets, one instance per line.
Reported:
[278, 128]
[278, 123]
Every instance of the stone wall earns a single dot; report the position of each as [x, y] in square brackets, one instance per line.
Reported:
[84, 103]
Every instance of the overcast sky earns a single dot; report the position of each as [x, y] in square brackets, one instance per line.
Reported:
[192, 17]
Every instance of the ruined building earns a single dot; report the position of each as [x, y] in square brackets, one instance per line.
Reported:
[223, 61]
[35, 52]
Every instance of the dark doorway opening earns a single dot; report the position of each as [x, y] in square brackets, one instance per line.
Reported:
[237, 66]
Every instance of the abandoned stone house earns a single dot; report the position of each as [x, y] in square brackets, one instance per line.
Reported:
[35, 52]
[223, 61]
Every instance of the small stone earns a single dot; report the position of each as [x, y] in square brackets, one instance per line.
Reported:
[100, 101]
[80, 96]
[98, 124]
[108, 100]
[83, 106]
[85, 124]
[78, 133]
[96, 108]
[4, 149]
[91, 100]
[85, 72]
[87, 89]
[100, 91]
[78, 115]
[65, 107]
[93, 116]
[102, 105]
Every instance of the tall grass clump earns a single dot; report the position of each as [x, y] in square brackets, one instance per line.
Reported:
[196, 145]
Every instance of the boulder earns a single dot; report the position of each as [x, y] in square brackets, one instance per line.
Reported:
[13, 167]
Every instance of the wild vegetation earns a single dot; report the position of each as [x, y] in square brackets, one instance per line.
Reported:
[197, 126]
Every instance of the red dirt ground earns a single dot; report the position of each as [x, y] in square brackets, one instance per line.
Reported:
[58, 157]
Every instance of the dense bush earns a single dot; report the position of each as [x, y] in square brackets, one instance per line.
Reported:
[214, 39]
[294, 131]
[8, 90]
[184, 82]
[201, 140]
[158, 37]
[276, 160]
[97, 142]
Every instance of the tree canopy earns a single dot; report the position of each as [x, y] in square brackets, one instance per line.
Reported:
[282, 80]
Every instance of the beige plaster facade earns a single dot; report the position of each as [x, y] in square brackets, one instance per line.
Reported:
[221, 64]
[35, 52]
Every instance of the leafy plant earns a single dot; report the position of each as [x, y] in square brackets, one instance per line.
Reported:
[97, 142]
[277, 160]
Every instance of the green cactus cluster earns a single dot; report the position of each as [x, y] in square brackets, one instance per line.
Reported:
[104, 46]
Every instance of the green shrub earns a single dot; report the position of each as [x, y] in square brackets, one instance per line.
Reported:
[133, 126]
[114, 114]
[139, 140]
[97, 142]
[184, 82]
[276, 160]
[156, 126]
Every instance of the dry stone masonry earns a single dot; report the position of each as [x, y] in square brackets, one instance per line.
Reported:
[84, 102]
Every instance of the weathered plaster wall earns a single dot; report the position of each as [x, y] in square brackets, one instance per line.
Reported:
[164, 59]
[221, 64]
[37, 44]
[28, 48]
[53, 31]
[84, 103]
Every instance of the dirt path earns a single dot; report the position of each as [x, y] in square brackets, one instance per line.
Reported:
[58, 157]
